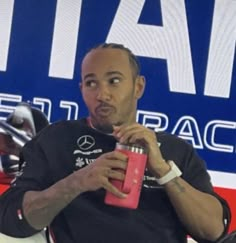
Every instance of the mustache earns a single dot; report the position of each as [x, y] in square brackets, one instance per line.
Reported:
[104, 105]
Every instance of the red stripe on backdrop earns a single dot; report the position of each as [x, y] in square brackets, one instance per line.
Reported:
[230, 196]
[3, 188]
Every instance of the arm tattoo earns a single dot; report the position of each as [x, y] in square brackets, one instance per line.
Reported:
[179, 187]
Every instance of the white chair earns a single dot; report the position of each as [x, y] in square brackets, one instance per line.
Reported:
[37, 238]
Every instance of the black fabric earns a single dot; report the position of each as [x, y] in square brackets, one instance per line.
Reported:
[11, 222]
[58, 151]
[229, 238]
[40, 119]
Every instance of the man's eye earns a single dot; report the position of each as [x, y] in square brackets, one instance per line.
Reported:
[90, 83]
[115, 80]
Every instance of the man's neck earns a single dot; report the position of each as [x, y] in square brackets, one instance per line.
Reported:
[106, 129]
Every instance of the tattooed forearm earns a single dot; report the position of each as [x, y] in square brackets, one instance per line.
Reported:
[178, 186]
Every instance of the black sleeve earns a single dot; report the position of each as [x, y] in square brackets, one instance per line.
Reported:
[12, 221]
[193, 168]
[195, 172]
[34, 176]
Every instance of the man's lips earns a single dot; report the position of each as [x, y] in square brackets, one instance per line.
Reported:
[104, 110]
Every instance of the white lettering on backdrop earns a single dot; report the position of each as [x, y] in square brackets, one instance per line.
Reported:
[169, 42]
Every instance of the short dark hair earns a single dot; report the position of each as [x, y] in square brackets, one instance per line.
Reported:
[134, 62]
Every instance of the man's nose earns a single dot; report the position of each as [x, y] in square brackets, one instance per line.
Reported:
[103, 93]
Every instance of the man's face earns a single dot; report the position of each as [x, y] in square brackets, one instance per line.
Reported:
[108, 87]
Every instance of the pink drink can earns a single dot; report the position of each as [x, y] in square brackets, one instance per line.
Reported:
[132, 185]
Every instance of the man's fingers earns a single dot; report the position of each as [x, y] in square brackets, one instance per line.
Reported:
[112, 174]
[109, 187]
[116, 174]
[112, 161]
[116, 155]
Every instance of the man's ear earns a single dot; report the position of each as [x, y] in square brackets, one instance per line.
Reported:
[140, 83]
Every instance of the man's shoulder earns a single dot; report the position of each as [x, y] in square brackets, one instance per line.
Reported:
[61, 128]
[168, 137]
[173, 142]
[66, 124]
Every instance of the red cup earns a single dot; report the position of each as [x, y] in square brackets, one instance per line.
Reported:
[134, 173]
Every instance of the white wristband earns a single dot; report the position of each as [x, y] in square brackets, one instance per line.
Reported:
[173, 173]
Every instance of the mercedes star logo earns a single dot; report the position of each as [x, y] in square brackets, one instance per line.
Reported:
[85, 142]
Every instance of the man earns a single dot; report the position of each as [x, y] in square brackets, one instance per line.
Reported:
[68, 167]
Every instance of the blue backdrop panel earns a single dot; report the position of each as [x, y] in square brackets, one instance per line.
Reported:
[186, 49]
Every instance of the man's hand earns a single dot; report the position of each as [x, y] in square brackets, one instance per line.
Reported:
[40, 207]
[136, 133]
[99, 173]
